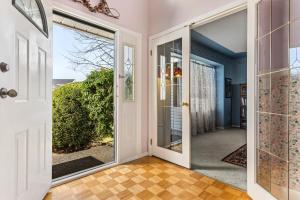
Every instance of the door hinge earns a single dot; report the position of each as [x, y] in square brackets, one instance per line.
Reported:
[150, 52]
[150, 141]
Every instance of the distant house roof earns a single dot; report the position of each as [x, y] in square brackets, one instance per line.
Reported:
[58, 82]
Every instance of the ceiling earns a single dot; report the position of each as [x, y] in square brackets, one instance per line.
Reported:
[228, 34]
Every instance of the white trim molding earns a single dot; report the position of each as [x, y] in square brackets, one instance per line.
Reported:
[141, 155]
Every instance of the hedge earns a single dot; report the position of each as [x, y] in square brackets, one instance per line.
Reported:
[72, 129]
[98, 98]
[83, 112]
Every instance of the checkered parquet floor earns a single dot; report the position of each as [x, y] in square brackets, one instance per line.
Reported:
[143, 179]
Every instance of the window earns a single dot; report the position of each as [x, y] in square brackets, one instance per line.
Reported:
[128, 73]
[33, 10]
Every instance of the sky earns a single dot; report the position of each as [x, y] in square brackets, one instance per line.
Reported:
[64, 42]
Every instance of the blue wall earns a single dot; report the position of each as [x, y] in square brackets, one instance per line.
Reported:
[234, 68]
[239, 76]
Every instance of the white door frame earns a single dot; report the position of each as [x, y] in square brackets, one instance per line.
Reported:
[62, 8]
[253, 189]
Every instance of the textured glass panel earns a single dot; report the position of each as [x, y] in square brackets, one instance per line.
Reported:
[294, 92]
[280, 92]
[294, 134]
[280, 13]
[264, 55]
[264, 132]
[294, 141]
[279, 178]
[129, 73]
[264, 93]
[295, 43]
[263, 171]
[294, 181]
[31, 10]
[280, 49]
[294, 9]
[169, 95]
[264, 17]
[279, 136]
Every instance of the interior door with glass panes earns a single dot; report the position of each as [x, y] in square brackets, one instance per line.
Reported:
[170, 97]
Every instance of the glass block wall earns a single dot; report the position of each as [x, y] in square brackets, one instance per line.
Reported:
[278, 93]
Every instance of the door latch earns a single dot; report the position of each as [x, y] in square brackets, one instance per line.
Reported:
[4, 67]
[11, 93]
[185, 104]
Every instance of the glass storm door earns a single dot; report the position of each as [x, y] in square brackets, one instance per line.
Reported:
[171, 119]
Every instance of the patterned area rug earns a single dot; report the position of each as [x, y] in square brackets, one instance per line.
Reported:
[238, 157]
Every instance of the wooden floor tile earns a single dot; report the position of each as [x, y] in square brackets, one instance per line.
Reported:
[147, 178]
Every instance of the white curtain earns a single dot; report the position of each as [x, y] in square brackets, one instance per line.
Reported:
[203, 98]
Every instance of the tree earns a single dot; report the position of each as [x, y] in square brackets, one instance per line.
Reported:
[93, 53]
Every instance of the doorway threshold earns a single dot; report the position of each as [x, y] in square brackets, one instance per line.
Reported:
[81, 174]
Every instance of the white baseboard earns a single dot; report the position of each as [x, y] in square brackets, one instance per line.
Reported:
[134, 157]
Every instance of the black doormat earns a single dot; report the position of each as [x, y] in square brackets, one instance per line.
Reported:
[74, 166]
[238, 157]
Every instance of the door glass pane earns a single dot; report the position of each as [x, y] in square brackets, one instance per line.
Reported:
[128, 73]
[169, 95]
[34, 12]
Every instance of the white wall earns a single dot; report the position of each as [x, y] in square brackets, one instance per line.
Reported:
[134, 13]
[164, 14]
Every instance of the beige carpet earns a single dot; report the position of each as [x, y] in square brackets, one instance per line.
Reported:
[209, 149]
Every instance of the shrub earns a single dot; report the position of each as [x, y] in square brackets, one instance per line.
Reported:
[72, 129]
[98, 92]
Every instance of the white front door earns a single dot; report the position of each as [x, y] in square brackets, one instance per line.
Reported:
[129, 95]
[169, 92]
[25, 99]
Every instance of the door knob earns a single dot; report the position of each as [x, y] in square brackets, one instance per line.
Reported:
[4, 67]
[11, 93]
[185, 104]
